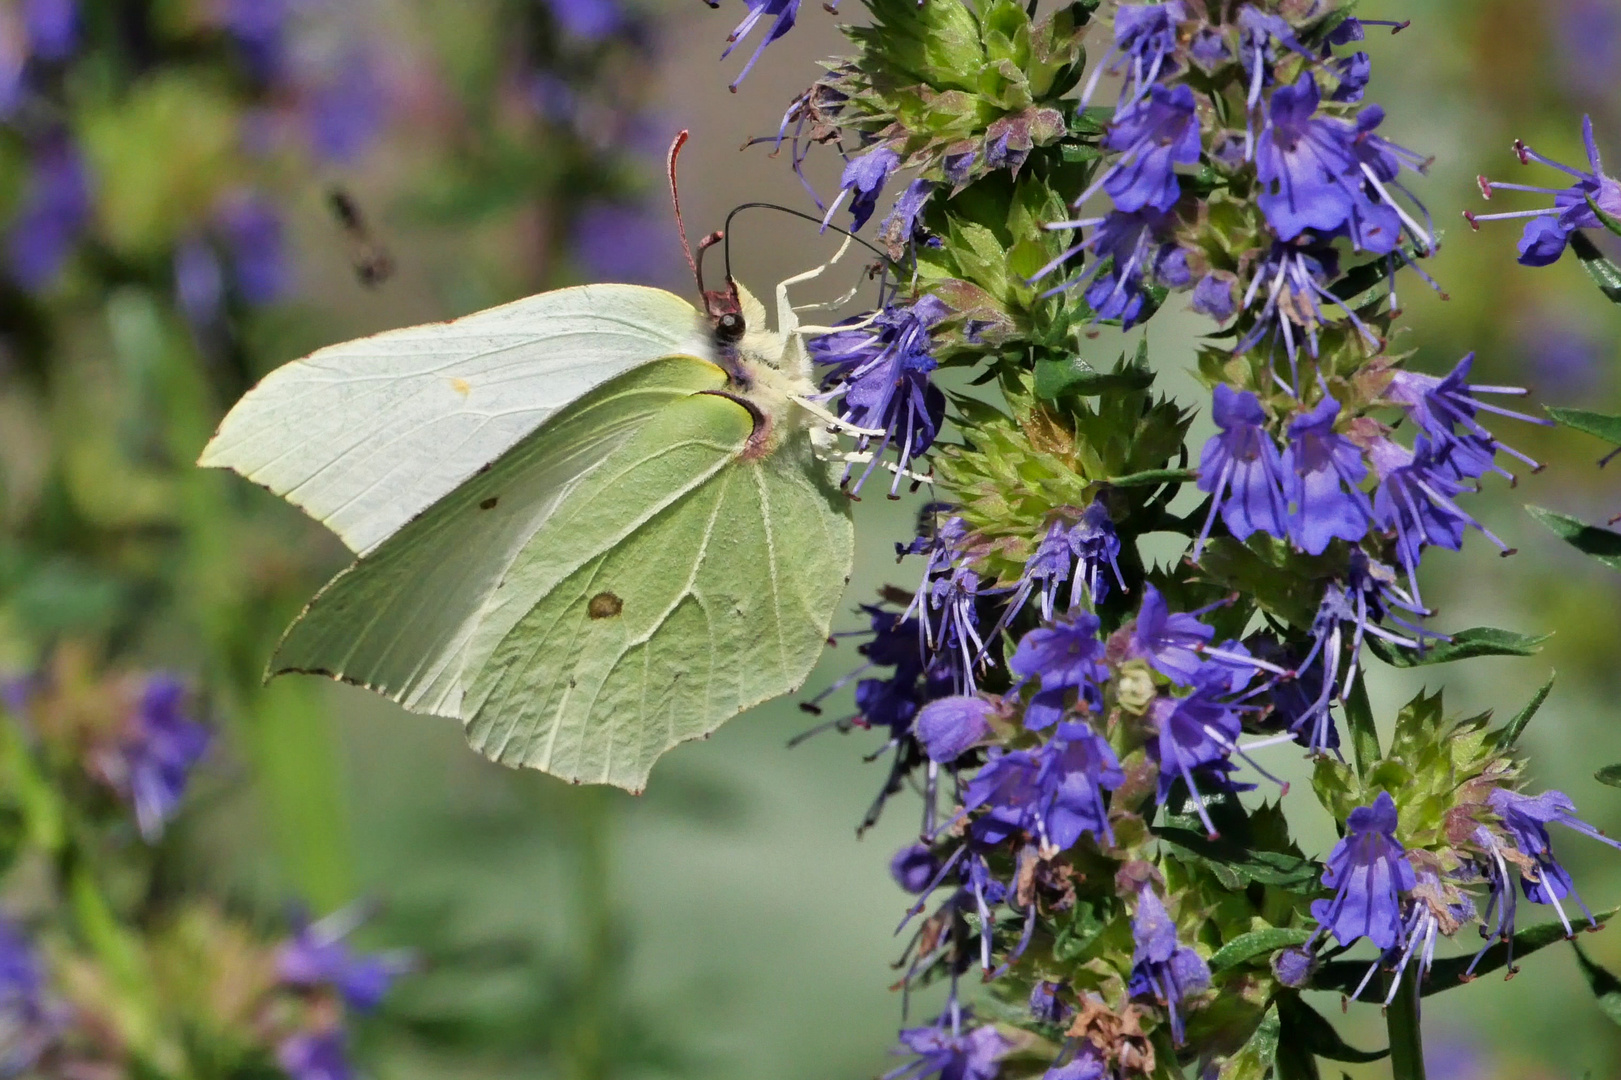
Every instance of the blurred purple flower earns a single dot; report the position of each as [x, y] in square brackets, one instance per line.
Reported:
[199, 281]
[317, 955]
[914, 867]
[1085, 1065]
[588, 20]
[1589, 35]
[259, 28]
[627, 243]
[27, 1023]
[55, 211]
[1566, 359]
[53, 27]
[347, 108]
[1046, 1007]
[252, 229]
[316, 1055]
[151, 764]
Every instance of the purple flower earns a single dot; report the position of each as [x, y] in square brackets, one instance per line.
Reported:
[1046, 1007]
[1296, 276]
[199, 282]
[317, 956]
[1213, 296]
[252, 228]
[1066, 655]
[1047, 568]
[1131, 251]
[53, 27]
[899, 230]
[316, 1055]
[914, 868]
[1096, 544]
[864, 177]
[1085, 1065]
[1432, 908]
[1054, 792]
[947, 728]
[1152, 136]
[1209, 48]
[55, 211]
[588, 20]
[781, 12]
[346, 111]
[1368, 871]
[951, 1054]
[1294, 966]
[27, 1023]
[881, 370]
[1144, 45]
[259, 28]
[1311, 177]
[1170, 643]
[1526, 819]
[1321, 471]
[1548, 231]
[1161, 967]
[1444, 410]
[624, 242]
[1415, 499]
[1589, 33]
[151, 764]
[1241, 470]
[1193, 734]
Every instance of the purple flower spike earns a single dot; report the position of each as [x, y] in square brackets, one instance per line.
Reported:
[1152, 136]
[947, 728]
[316, 1055]
[1368, 871]
[1168, 642]
[1162, 967]
[1321, 471]
[1548, 231]
[782, 14]
[1445, 408]
[951, 1054]
[865, 177]
[1241, 470]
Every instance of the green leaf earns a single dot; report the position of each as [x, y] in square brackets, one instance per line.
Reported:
[1246, 947]
[1364, 734]
[1256, 1057]
[1234, 862]
[1595, 424]
[1072, 375]
[1510, 732]
[1603, 272]
[1602, 544]
[1605, 986]
[1465, 645]
[1610, 774]
[1153, 477]
[1607, 219]
[1306, 1025]
[1343, 975]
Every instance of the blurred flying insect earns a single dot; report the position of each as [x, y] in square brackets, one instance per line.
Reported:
[372, 261]
[590, 525]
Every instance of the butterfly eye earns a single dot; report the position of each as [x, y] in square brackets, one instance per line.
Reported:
[729, 328]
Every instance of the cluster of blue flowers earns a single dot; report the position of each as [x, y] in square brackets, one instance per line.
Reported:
[1083, 723]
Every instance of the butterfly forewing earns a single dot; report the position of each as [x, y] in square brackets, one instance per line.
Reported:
[365, 435]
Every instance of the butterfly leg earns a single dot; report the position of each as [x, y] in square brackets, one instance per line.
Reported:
[819, 411]
[864, 457]
[787, 320]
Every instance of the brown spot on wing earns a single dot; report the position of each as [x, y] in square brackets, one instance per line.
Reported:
[604, 605]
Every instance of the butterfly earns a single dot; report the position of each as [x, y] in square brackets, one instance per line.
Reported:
[591, 524]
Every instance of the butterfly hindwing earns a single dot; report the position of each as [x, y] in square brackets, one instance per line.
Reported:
[719, 599]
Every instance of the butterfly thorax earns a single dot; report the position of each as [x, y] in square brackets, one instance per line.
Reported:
[768, 370]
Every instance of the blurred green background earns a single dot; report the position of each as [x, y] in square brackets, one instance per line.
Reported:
[728, 923]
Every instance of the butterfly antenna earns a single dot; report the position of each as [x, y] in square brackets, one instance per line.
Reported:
[726, 233]
[675, 197]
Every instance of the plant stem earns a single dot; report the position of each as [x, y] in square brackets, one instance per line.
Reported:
[1406, 1037]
